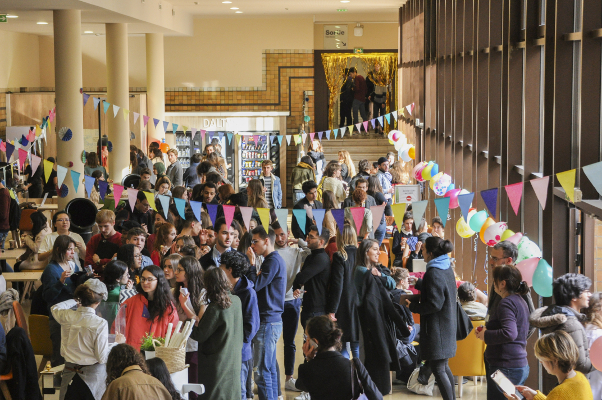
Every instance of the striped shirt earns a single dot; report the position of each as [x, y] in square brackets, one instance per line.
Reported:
[267, 181]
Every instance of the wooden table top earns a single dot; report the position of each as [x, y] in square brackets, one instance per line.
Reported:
[11, 254]
[22, 276]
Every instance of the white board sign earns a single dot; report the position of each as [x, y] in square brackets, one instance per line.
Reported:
[335, 37]
[407, 193]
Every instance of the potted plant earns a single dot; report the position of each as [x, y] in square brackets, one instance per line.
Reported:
[148, 345]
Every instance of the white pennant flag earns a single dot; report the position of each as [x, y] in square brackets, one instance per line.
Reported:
[35, 163]
[288, 139]
[136, 116]
[115, 110]
[61, 173]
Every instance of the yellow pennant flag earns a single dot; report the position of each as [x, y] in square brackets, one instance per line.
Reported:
[184, 128]
[151, 199]
[38, 131]
[126, 113]
[567, 181]
[47, 169]
[398, 211]
[49, 127]
[350, 130]
[238, 138]
[264, 216]
[12, 194]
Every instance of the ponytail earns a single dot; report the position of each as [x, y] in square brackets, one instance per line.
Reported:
[513, 278]
[438, 247]
[523, 288]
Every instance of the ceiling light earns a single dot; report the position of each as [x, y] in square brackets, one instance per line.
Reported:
[344, 1]
[226, 2]
[88, 32]
[233, 8]
[238, 12]
[42, 23]
[358, 30]
[12, 16]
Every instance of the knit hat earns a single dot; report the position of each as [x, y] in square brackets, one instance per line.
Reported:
[382, 160]
[97, 287]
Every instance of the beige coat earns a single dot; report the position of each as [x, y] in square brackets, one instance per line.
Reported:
[330, 224]
[136, 385]
[30, 258]
[335, 186]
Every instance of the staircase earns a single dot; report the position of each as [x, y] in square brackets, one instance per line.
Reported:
[370, 147]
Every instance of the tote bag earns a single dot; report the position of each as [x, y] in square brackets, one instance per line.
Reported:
[463, 324]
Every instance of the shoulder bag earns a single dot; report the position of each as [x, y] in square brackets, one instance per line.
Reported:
[354, 377]
[463, 323]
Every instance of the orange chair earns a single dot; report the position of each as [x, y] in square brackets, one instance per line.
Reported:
[470, 358]
[3, 387]
[383, 258]
[20, 319]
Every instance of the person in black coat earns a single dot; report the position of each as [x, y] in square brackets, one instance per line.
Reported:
[326, 374]
[437, 309]
[314, 275]
[346, 101]
[310, 188]
[342, 298]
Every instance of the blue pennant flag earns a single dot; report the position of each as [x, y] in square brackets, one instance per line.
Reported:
[181, 207]
[229, 136]
[319, 217]
[465, 200]
[196, 208]
[174, 127]
[279, 140]
[165, 124]
[490, 198]
[301, 217]
[89, 184]
[442, 205]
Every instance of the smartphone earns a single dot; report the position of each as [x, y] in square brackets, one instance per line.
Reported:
[313, 344]
[184, 291]
[503, 382]
[89, 270]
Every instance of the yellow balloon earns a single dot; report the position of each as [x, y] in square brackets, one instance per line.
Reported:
[463, 229]
[426, 172]
[507, 233]
[488, 222]
[412, 152]
[435, 179]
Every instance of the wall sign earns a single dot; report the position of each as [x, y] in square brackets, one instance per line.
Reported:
[407, 193]
[335, 37]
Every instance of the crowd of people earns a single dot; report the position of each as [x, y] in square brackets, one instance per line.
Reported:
[244, 286]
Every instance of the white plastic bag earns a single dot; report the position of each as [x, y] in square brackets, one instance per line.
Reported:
[414, 386]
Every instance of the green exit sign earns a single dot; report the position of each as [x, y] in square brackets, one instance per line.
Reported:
[3, 18]
[358, 50]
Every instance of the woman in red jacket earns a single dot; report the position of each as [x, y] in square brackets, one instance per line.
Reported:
[152, 309]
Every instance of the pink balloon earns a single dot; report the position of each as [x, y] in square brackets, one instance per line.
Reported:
[453, 197]
[515, 238]
[395, 136]
[527, 269]
[595, 354]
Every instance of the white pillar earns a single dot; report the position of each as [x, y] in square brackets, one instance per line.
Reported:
[118, 90]
[69, 102]
[155, 84]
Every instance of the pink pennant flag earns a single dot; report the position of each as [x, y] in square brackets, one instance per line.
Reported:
[365, 125]
[22, 157]
[246, 215]
[228, 214]
[193, 130]
[132, 196]
[117, 190]
[358, 217]
[540, 187]
[35, 163]
[256, 139]
[145, 118]
[515, 193]
[203, 135]
[377, 215]
[312, 135]
[136, 116]
[52, 114]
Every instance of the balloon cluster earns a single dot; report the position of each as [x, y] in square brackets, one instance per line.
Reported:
[406, 151]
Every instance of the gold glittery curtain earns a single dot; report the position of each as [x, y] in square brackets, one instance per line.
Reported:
[334, 68]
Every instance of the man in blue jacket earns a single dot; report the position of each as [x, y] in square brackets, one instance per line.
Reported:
[271, 183]
[270, 285]
[235, 265]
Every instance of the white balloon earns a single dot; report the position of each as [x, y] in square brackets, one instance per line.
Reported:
[405, 156]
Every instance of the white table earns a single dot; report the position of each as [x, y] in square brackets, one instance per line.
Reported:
[30, 276]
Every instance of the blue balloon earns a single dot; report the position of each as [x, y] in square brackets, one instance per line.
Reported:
[450, 187]
[543, 279]
[435, 169]
[477, 220]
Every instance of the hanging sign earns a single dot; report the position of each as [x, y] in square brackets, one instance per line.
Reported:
[335, 37]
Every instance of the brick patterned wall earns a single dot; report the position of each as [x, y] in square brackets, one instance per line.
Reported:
[598, 257]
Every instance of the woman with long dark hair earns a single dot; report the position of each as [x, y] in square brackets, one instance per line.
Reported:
[158, 369]
[169, 265]
[220, 337]
[152, 309]
[92, 164]
[116, 276]
[29, 260]
[33, 182]
[163, 242]
[131, 256]
[128, 377]
[437, 309]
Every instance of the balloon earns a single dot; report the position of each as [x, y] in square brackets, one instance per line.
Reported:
[543, 279]
[488, 222]
[527, 269]
[507, 233]
[391, 142]
[477, 220]
[398, 145]
[435, 179]
[440, 187]
[493, 234]
[595, 353]
[451, 187]
[412, 152]
[405, 156]
[164, 147]
[390, 135]
[396, 135]
[516, 238]
[435, 169]
[417, 172]
[453, 198]
[426, 172]
[527, 249]
[463, 229]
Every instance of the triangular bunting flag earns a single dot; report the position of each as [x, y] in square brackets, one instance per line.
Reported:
[228, 213]
[229, 135]
[117, 191]
[410, 108]
[358, 217]
[349, 130]
[377, 215]
[335, 134]
[394, 114]
[304, 136]
[465, 200]
[102, 191]
[328, 134]
[272, 138]
[184, 129]
[156, 122]
[115, 110]
[96, 101]
[282, 216]
[388, 117]
[193, 130]
[10, 148]
[319, 217]
[61, 173]
[398, 211]
[89, 184]
[442, 205]
[342, 129]
[75, 179]
[339, 216]
[301, 217]
[320, 134]
[165, 124]
[149, 196]
[567, 181]
[365, 123]
[221, 135]
[126, 114]
[373, 121]
[540, 187]
[164, 200]
[48, 166]
[212, 210]
[238, 138]
[86, 98]
[490, 198]
[255, 139]
[174, 127]
[264, 217]
[297, 139]
[359, 127]
[380, 121]
[279, 140]
[288, 140]
[145, 119]
[418, 209]
[311, 136]
[22, 157]
[132, 197]
[196, 208]
[136, 116]
[181, 207]
[35, 163]
[515, 193]
[246, 212]
[594, 174]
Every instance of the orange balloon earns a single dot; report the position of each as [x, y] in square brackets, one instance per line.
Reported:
[164, 147]
[488, 222]
[412, 152]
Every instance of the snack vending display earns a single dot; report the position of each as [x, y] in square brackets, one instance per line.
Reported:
[255, 148]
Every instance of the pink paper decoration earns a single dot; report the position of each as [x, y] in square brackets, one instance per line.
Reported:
[228, 214]
[540, 187]
[358, 217]
[515, 193]
[246, 215]
[132, 196]
[117, 191]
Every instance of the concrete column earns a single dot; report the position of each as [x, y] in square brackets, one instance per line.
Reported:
[155, 84]
[69, 103]
[118, 93]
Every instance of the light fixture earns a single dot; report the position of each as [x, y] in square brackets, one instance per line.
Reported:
[341, 9]
[358, 30]
[345, 1]
[42, 23]
[88, 32]
[233, 8]
[173, 12]
[238, 12]
[11, 16]
[226, 2]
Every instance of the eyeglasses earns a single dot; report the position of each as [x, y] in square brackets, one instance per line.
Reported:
[138, 255]
[149, 280]
[495, 259]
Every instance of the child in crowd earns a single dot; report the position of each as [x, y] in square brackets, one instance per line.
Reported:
[467, 295]
[116, 276]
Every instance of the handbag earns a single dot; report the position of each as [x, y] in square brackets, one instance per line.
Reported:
[355, 377]
[416, 387]
[463, 323]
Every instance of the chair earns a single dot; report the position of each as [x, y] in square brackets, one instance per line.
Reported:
[40, 338]
[470, 358]
[20, 319]
[383, 258]
[4, 387]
